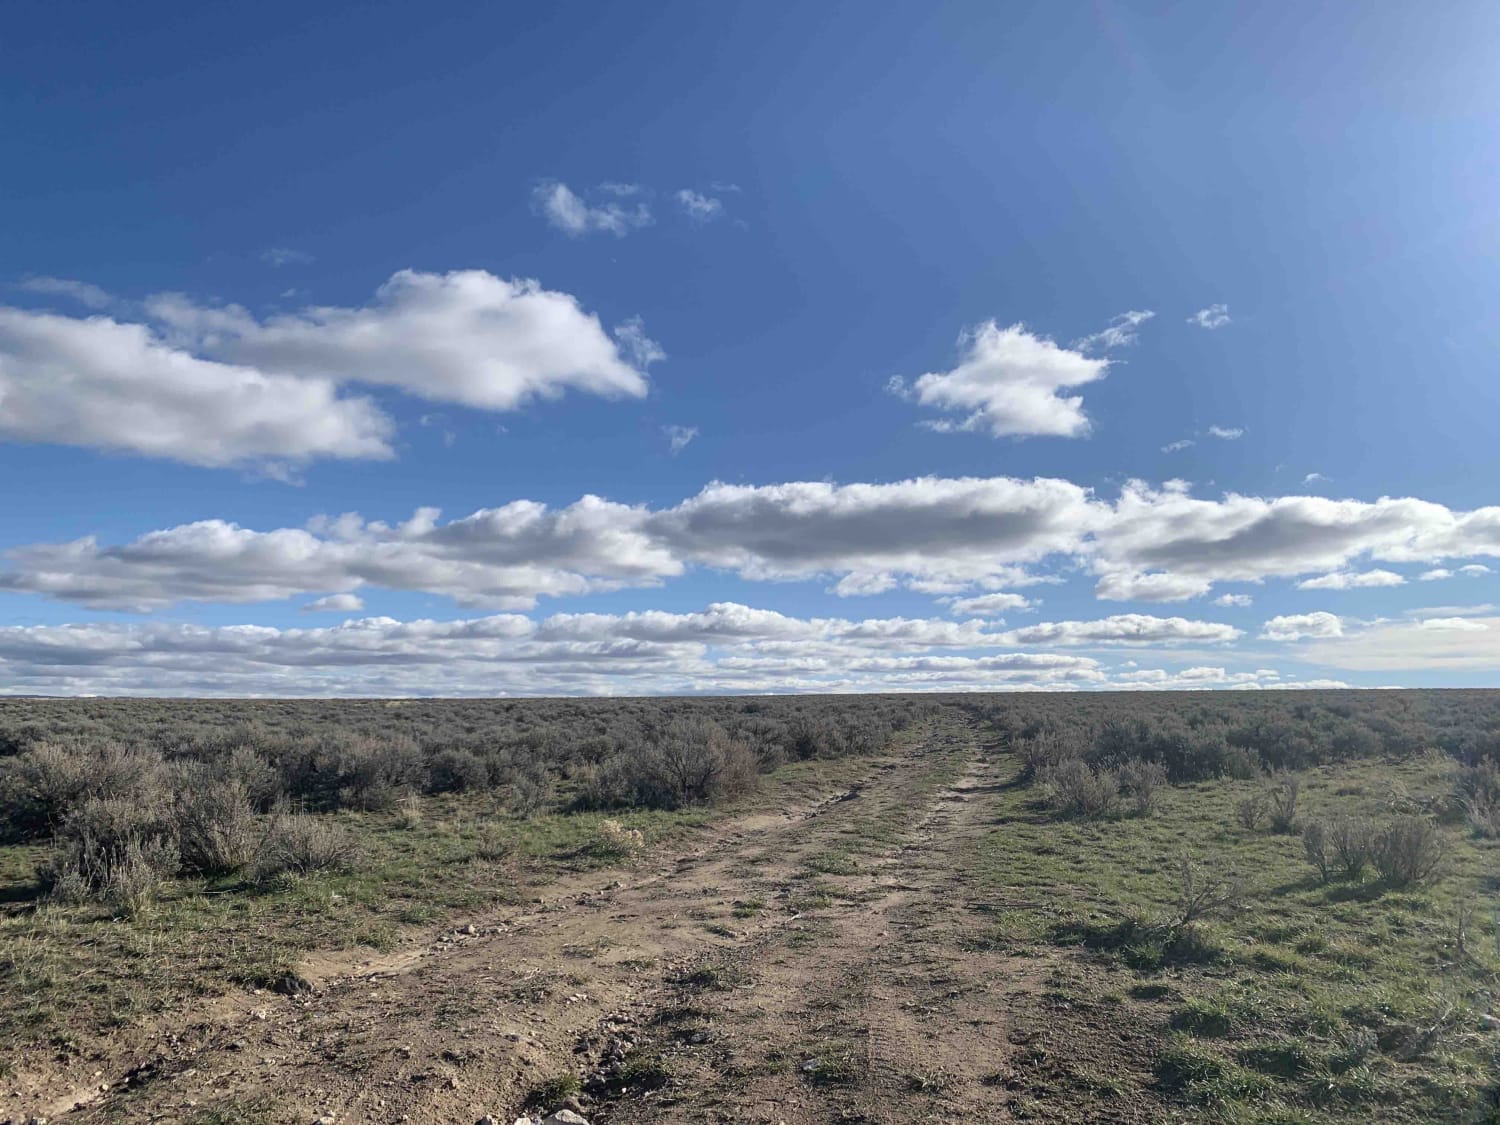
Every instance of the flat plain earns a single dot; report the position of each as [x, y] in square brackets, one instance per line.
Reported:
[1273, 907]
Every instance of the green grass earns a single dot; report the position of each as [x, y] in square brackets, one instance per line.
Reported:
[1255, 1015]
[72, 973]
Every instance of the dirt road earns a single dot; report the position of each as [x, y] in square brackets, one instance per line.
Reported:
[810, 966]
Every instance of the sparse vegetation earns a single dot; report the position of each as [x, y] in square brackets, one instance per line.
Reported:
[1119, 846]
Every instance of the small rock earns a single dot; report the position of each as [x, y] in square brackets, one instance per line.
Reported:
[486, 1120]
[564, 1117]
[326, 1119]
[1489, 1023]
[471, 929]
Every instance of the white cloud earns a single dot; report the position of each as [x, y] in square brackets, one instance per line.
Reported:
[942, 536]
[216, 386]
[102, 384]
[725, 647]
[1454, 644]
[1460, 624]
[1168, 535]
[1348, 580]
[1135, 586]
[1008, 382]
[90, 296]
[1300, 626]
[1121, 332]
[1437, 574]
[464, 337]
[987, 605]
[1214, 316]
[1483, 610]
[1125, 628]
[568, 212]
[335, 603]
[1227, 433]
[678, 437]
[1239, 600]
[1314, 478]
[698, 207]
[278, 256]
[938, 536]
[1178, 446]
[504, 557]
[642, 350]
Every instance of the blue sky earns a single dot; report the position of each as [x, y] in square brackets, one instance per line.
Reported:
[816, 300]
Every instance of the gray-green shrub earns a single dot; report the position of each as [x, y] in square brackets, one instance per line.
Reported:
[300, 843]
[1077, 790]
[1142, 782]
[1281, 801]
[118, 850]
[1477, 790]
[1409, 850]
[216, 826]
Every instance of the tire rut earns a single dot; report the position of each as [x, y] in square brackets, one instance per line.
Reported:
[470, 1023]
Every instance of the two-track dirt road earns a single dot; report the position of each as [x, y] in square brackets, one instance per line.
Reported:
[814, 965]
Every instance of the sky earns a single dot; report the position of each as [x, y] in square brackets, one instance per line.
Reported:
[440, 349]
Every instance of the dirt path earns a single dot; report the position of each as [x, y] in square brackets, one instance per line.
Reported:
[805, 967]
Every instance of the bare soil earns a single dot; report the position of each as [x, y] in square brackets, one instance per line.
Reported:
[821, 963]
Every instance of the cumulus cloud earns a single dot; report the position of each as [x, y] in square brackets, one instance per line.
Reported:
[1009, 382]
[1178, 446]
[1214, 316]
[1437, 574]
[90, 296]
[940, 535]
[1124, 628]
[335, 603]
[102, 384]
[1121, 332]
[216, 386]
[726, 647]
[1227, 433]
[504, 557]
[699, 207]
[1348, 580]
[950, 537]
[465, 337]
[566, 210]
[1168, 535]
[987, 605]
[1120, 585]
[1300, 626]
[1237, 600]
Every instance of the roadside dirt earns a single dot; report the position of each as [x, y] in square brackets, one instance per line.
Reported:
[811, 966]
